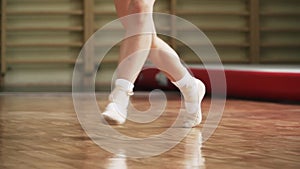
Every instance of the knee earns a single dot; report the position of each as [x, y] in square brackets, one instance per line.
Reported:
[142, 15]
[155, 41]
[141, 6]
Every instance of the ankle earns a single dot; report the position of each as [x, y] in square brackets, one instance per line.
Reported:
[121, 93]
[188, 86]
[124, 84]
[184, 81]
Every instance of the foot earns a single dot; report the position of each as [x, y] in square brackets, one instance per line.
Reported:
[193, 97]
[116, 110]
[113, 114]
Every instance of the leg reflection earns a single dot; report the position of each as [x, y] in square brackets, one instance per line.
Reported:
[192, 150]
[118, 161]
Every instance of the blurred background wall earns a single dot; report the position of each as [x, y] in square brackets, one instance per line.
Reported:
[41, 39]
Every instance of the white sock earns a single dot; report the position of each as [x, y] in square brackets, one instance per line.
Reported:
[127, 85]
[184, 81]
[188, 86]
[189, 89]
[120, 94]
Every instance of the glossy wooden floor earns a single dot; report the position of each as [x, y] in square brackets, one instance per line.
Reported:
[42, 131]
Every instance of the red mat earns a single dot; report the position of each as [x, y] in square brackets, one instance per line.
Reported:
[250, 83]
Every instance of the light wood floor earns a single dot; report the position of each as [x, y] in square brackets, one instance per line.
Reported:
[42, 131]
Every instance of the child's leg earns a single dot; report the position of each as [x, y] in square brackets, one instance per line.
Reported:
[193, 90]
[135, 24]
[130, 66]
[166, 59]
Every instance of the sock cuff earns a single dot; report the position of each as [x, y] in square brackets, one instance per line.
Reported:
[183, 81]
[125, 84]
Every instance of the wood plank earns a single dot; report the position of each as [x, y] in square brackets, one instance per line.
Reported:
[88, 60]
[43, 44]
[219, 44]
[284, 44]
[251, 133]
[54, 28]
[271, 29]
[254, 35]
[195, 61]
[274, 13]
[88, 21]
[46, 12]
[41, 61]
[188, 12]
[54, 61]
[281, 60]
[221, 29]
[3, 37]
[108, 12]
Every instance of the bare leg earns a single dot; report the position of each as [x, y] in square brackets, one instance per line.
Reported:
[136, 17]
[136, 25]
[193, 90]
[166, 59]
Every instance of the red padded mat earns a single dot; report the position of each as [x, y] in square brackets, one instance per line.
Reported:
[276, 84]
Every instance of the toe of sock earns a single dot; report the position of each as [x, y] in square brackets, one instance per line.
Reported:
[113, 115]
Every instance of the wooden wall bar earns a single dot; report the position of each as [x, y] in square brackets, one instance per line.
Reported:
[254, 31]
[280, 31]
[3, 37]
[41, 39]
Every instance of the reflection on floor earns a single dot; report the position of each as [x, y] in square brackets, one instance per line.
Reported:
[42, 131]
